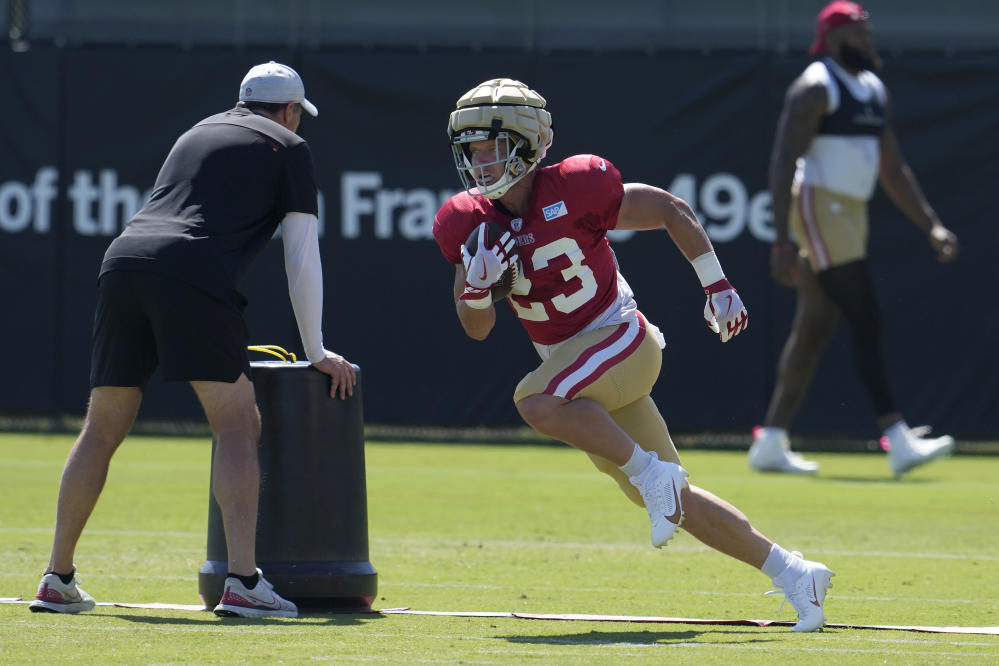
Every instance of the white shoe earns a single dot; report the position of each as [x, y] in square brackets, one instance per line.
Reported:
[261, 601]
[908, 448]
[808, 594]
[55, 596]
[771, 452]
[660, 485]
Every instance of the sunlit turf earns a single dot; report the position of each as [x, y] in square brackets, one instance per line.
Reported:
[530, 529]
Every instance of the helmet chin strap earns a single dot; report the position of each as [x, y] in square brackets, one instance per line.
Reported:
[520, 165]
[517, 168]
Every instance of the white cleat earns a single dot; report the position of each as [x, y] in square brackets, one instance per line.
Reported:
[771, 452]
[261, 601]
[660, 485]
[808, 594]
[908, 449]
[55, 596]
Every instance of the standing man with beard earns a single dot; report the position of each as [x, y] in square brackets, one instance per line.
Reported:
[834, 143]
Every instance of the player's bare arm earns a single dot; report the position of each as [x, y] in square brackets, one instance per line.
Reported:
[804, 106]
[646, 207]
[901, 186]
[476, 322]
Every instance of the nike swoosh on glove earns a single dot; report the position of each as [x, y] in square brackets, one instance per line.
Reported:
[484, 268]
[724, 312]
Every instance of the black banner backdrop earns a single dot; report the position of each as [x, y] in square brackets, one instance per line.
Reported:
[87, 129]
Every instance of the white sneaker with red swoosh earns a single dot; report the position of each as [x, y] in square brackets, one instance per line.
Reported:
[261, 601]
[55, 596]
[808, 594]
[660, 485]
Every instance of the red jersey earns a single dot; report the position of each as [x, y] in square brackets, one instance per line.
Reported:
[570, 274]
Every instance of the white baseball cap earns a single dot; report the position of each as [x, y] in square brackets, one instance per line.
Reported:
[275, 83]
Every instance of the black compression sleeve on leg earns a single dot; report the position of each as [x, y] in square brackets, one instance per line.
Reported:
[849, 286]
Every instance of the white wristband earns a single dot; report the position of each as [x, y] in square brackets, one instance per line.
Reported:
[707, 268]
[479, 303]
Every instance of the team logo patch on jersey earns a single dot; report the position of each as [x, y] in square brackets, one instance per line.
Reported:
[517, 224]
[555, 210]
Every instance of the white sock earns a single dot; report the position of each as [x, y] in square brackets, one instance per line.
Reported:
[637, 463]
[782, 567]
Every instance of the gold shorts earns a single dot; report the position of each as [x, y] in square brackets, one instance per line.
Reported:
[831, 229]
[615, 366]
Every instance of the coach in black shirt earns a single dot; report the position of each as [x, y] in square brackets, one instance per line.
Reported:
[167, 297]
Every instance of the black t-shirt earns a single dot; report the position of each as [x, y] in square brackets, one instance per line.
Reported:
[223, 189]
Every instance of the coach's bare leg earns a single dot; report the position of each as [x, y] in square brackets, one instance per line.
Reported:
[583, 423]
[718, 524]
[110, 415]
[815, 319]
[232, 413]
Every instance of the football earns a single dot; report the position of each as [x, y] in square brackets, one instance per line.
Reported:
[503, 286]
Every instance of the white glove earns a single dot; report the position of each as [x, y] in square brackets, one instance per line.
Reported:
[484, 268]
[724, 312]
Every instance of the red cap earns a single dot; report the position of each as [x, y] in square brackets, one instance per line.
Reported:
[834, 15]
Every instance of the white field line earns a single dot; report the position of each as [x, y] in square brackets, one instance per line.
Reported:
[383, 584]
[288, 627]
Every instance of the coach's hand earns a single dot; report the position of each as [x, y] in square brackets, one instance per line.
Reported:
[343, 378]
[724, 312]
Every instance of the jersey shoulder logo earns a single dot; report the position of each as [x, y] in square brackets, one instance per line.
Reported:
[555, 210]
[603, 165]
[517, 224]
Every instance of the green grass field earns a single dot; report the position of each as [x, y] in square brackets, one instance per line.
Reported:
[522, 528]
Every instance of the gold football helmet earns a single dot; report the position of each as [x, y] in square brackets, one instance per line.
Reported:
[511, 114]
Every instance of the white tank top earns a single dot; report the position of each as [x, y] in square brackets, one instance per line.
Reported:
[843, 163]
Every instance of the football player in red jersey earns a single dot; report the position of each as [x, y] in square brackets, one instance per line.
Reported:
[599, 355]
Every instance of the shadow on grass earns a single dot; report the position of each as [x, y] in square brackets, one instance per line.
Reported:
[644, 637]
[208, 618]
